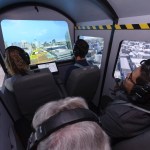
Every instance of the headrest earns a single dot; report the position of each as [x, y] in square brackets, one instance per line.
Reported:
[83, 82]
[34, 90]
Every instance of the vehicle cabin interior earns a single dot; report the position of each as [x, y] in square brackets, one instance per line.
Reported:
[116, 31]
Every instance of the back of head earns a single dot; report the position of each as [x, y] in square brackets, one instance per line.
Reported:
[81, 48]
[17, 60]
[85, 135]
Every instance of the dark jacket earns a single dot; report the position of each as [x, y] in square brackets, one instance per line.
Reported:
[120, 120]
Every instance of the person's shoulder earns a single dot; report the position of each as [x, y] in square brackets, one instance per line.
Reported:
[10, 81]
[125, 110]
[8, 84]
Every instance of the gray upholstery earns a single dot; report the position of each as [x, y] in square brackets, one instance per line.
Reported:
[8, 136]
[83, 82]
[140, 142]
[8, 99]
[34, 90]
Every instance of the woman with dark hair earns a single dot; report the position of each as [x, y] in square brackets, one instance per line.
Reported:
[17, 63]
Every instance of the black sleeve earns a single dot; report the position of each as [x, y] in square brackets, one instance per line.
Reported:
[121, 121]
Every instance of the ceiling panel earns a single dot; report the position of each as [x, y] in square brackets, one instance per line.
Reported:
[79, 10]
[130, 8]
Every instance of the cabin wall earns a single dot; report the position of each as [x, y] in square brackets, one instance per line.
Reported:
[94, 23]
[119, 35]
[135, 20]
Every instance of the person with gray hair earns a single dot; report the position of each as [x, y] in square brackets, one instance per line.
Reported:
[85, 135]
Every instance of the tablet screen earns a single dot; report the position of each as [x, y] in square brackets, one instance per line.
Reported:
[52, 67]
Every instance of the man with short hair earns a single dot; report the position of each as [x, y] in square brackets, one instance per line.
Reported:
[80, 50]
[84, 135]
[129, 113]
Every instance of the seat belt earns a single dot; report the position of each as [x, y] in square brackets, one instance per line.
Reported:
[131, 105]
[136, 107]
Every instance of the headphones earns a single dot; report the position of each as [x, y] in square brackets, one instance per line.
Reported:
[58, 121]
[139, 94]
[80, 48]
[24, 55]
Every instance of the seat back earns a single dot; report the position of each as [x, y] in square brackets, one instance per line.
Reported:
[8, 137]
[83, 82]
[34, 90]
[9, 101]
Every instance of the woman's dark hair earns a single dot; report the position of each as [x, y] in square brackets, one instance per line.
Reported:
[16, 60]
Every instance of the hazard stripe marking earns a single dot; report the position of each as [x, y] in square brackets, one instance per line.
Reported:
[142, 26]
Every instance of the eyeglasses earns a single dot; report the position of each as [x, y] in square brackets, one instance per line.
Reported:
[130, 78]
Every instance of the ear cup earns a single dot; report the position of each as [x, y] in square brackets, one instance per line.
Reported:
[25, 56]
[139, 93]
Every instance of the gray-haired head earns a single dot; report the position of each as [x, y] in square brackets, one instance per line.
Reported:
[86, 135]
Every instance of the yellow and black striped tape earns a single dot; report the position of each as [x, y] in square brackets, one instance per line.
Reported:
[101, 27]
[142, 26]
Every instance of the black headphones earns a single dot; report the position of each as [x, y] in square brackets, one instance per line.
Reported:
[58, 121]
[24, 55]
[139, 94]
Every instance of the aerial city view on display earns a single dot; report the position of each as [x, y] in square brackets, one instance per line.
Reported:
[130, 55]
[44, 41]
[96, 46]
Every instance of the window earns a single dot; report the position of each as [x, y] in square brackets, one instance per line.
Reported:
[130, 55]
[44, 41]
[96, 46]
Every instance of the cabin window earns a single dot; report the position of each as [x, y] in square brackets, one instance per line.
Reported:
[96, 46]
[44, 41]
[130, 55]
[2, 75]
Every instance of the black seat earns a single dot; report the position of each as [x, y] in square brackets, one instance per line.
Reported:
[8, 137]
[83, 82]
[34, 90]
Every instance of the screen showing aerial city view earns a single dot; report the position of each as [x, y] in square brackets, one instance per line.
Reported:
[44, 41]
[96, 46]
[130, 55]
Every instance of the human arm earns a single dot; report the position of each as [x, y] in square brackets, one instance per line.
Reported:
[121, 121]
